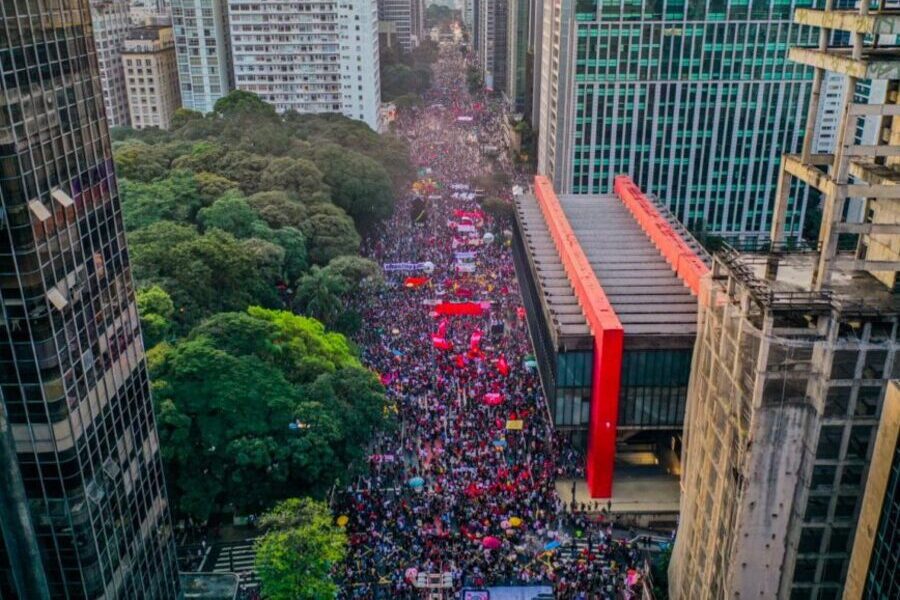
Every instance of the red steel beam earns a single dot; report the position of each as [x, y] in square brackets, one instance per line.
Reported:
[683, 260]
[608, 335]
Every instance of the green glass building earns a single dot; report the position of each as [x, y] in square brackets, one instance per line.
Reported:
[694, 99]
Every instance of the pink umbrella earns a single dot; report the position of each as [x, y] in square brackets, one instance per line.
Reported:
[491, 543]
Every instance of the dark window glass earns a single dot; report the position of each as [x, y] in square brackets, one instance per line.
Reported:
[846, 505]
[837, 401]
[816, 508]
[830, 442]
[823, 476]
[810, 540]
[805, 569]
[859, 441]
[840, 540]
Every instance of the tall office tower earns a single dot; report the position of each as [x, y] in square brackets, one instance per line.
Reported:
[536, 44]
[111, 22]
[795, 350]
[400, 14]
[518, 28]
[360, 74]
[202, 50]
[875, 560]
[152, 72]
[694, 100]
[81, 464]
[319, 57]
[418, 22]
[468, 14]
[492, 23]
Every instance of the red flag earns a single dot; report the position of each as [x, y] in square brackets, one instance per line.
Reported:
[503, 366]
[460, 361]
[475, 342]
[441, 343]
[442, 328]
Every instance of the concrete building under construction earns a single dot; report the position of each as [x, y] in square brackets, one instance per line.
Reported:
[795, 349]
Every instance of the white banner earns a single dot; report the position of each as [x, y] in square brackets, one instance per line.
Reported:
[390, 267]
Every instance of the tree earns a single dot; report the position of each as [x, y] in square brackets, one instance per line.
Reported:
[330, 234]
[295, 557]
[229, 213]
[156, 310]
[293, 242]
[211, 186]
[297, 176]
[175, 198]
[239, 102]
[358, 184]
[501, 210]
[141, 162]
[319, 295]
[353, 270]
[227, 392]
[203, 274]
[278, 209]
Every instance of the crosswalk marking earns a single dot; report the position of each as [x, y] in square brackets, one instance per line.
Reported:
[238, 558]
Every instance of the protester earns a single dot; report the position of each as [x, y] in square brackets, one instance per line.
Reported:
[460, 488]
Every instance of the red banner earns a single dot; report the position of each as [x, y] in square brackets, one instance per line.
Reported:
[459, 309]
[469, 214]
[414, 282]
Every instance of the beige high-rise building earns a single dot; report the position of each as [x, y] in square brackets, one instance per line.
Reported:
[111, 24]
[151, 73]
[796, 348]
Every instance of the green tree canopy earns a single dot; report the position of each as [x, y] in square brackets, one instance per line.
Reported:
[358, 184]
[229, 213]
[299, 177]
[156, 310]
[227, 393]
[295, 557]
[278, 209]
[330, 234]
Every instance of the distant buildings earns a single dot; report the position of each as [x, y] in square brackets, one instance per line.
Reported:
[83, 507]
[203, 53]
[317, 57]
[152, 74]
[518, 57]
[407, 18]
[111, 22]
[491, 43]
[694, 100]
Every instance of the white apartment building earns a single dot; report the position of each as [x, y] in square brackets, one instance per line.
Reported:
[201, 46]
[111, 24]
[318, 56]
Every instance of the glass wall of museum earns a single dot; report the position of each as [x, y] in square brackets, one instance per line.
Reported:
[860, 371]
[537, 324]
[653, 388]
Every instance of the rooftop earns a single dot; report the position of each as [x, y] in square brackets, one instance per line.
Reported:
[792, 286]
[651, 301]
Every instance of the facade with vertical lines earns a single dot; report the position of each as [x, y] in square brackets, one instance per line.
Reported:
[694, 100]
[82, 453]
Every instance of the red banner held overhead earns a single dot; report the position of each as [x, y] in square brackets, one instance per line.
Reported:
[459, 309]
[414, 282]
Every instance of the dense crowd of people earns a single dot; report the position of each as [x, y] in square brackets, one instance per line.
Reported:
[465, 485]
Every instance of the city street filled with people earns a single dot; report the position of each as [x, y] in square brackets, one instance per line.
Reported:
[465, 483]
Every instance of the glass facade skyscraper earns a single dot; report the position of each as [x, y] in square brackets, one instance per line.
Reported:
[694, 99]
[78, 422]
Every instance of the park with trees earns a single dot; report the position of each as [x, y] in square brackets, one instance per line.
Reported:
[244, 229]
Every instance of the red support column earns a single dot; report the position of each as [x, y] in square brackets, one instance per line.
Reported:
[608, 334]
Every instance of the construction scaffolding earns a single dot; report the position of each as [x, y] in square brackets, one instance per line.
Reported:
[795, 347]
